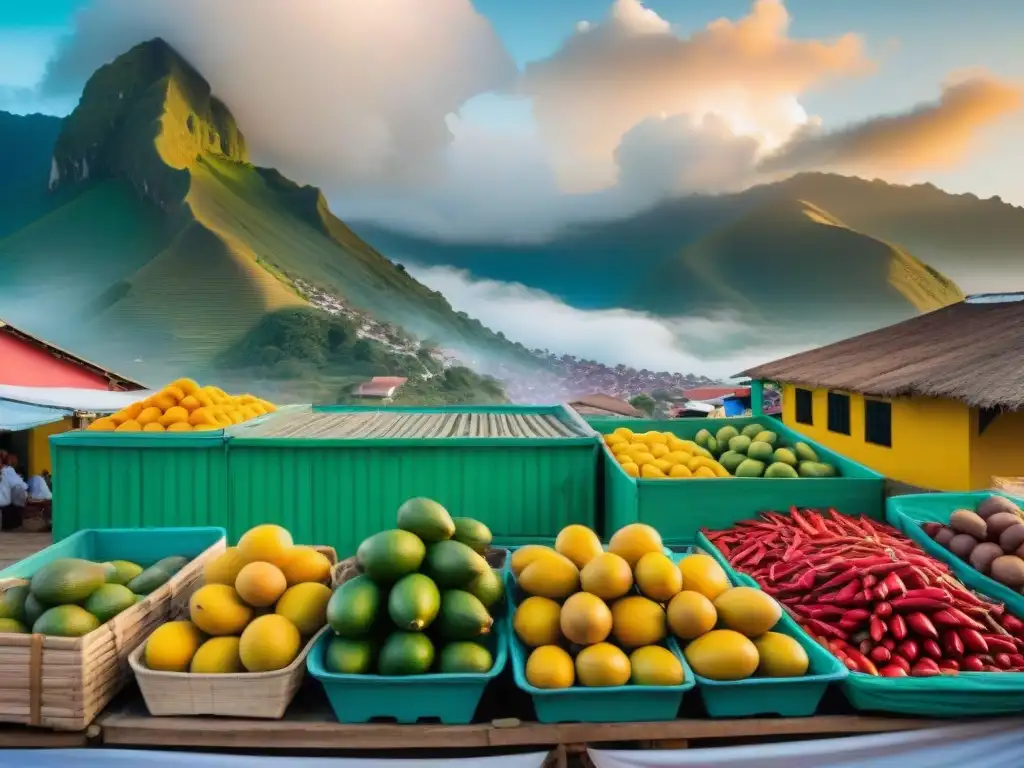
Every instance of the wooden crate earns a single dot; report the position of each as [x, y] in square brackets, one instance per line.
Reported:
[264, 695]
[64, 683]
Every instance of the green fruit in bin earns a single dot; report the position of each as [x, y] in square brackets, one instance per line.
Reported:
[767, 436]
[67, 580]
[462, 616]
[389, 555]
[108, 601]
[406, 653]
[752, 430]
[464, 658]
[778, 469]
[124, 571]
[786, 456]
[473, 534]
[702, 437]
[34, 609]
[414, 602]
[353, 609]
[760, 451]
[427, 519]
[12, 603]
[750, 468]
[804, 452]
[488, 588]
[815, 469]
[452, 565]
[344, 656]
[66, 621]
[711, 446]
[158, 574]
[12, 626]
[731, 460]
[739, 444]
[725, 434]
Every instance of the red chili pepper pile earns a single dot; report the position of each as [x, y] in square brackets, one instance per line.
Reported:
[871, 596]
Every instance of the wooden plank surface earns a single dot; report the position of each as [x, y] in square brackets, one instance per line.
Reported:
[23, 737]
[17, 545]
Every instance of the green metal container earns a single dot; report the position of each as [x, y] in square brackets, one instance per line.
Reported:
[680, 508]
[138, 480]
[336, 475]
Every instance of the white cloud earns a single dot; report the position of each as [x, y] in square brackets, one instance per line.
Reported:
[539, 320]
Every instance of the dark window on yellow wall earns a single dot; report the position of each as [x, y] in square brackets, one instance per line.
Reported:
[804, 406]
[838, 413]
[878, 422]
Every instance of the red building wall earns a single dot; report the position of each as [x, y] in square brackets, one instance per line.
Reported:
[25, 365]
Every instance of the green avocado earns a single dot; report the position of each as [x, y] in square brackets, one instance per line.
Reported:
[427, 519]
[414, 602]
[406, 653]
[389, 555]
[353, 608]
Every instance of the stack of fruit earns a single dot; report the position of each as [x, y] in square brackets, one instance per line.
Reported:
[754, 452]
[422, 585]
[260, 602]
[990, 538]
[597, 606]
[71, 597]
[184, 406]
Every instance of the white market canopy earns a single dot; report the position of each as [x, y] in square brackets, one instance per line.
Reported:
[15, 417]
[27, 407]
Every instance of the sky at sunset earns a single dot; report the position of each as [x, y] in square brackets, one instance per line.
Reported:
[569, 99]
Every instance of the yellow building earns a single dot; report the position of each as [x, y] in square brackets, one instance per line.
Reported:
[935, 402]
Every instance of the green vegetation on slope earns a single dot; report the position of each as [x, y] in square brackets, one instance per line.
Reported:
[454, 386]
[26, 148]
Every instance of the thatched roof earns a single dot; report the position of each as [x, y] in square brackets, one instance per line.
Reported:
[600, 405]
[972, 351]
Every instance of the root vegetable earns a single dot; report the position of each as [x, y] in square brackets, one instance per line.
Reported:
[999, 522]
[983, 555]
[995, 504]
[962, 545]
[1012, 538]
[1008, 570]
[944, 536]
[965, 521]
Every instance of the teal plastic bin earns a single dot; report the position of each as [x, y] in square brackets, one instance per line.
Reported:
[621, 704]
[296, 471]
[141, 546]
[906, 513]
[788, 697]
[138, 480]
[678, 509]
[976, 694]
[452, 699]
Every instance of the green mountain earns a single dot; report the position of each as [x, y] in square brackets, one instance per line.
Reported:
[26, 148]
[160, 247]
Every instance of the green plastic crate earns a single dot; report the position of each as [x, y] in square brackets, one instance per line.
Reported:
[906, 513]
[143, 547]
[977, 693]
[452, 699]
[678, 509]
[138, 480]
[620, 704]
[338, 491]
[788, 697]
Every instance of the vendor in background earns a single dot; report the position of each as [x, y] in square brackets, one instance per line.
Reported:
[13, 494]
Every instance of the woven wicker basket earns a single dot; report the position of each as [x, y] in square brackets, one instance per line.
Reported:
[63, 683]
[263, 695]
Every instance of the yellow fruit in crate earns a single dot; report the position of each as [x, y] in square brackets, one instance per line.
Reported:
[224, 568]
[175, 392]
[555, 577]
[523, 556]
[189, 403]
[550, 667]
[202, 415]
[643, 459]
[619, 449]
[651, 472]
[148, 415]
[536, 622]
[658, 577]
[780, 656]
[747, 610]
[608, 576]
[722, 654]
[174, 415]
[270, 642]
[306, 564]
[660, 450]
[205, 427]
[678, 457]
[705, 472]
[624, 432]
[102, 424]
[218, 610]
[637, 447]
[585, 619]
[578, 543]
[120, 417]
[637, 621]
[163, 400]
[305, 606]
[260, 584]
[663, 465]
[679, 471]
[654, 438]
[203, 398]
[268, 406]
[602, 666]
[154, 426]
[180, 426]
[171, 647]
[267, 543]
[690, 615]
[633, 541]
[701, 573]
[187, 386]
[217, 656]
[129, 426]
[631, 469]
[655, 665]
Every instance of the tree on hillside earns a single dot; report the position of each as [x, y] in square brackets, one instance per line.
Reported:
[644, 403]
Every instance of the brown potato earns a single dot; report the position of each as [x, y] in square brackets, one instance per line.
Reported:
[1008, 570]
[999, 522]
[983, 555]
[962, 545]
[944, 536]
[994, 504]
[1012, 538]
[965, 521]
